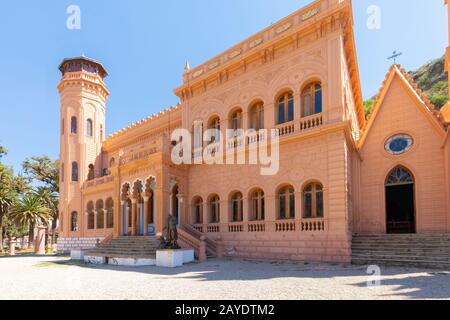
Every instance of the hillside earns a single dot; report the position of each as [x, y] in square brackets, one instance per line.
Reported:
[431, 78]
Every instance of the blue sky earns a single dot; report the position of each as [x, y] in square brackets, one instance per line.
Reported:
[144, 44]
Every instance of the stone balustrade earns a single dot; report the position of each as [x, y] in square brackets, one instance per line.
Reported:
[99, 181]
[279, 226]
[299, 125]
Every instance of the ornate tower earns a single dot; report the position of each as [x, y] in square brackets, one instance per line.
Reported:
[83, 97]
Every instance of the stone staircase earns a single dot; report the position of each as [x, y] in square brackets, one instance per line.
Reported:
[423, 251]
[127, 248]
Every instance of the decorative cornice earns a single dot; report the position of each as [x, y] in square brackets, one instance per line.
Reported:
[150, 120]
[268, 36]
[83, 79]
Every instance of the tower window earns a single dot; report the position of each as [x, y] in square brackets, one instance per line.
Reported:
[89, 128]
[74, 125]
[74, 172]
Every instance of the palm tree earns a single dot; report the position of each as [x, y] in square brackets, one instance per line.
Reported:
[30, 211]
[50, 200]
[7, 198]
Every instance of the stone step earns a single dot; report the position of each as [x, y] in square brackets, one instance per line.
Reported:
[121, 256]
[401, 257]
[124, 245]
[409, 253]
[356, 240]
[403, 263]
[404, 248]
[430, 251]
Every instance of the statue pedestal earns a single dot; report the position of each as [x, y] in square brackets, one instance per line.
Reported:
[77, 254]
[173, 258]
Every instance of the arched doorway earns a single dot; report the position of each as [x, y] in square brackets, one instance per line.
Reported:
[400, 202]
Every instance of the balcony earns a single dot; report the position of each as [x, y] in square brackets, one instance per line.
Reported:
[310, 225]
[98, 182]
[299, 125]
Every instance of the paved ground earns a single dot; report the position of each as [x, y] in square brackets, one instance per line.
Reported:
[59, 278]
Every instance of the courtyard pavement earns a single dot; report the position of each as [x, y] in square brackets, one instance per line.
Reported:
[52, 277]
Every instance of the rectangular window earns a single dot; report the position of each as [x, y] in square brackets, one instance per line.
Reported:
[319, 200]
[262, 209]
[318, 101]
[308, 205]
[282, 206]
[291, 109]
[307, 105]
[281, 115]
[292, 206]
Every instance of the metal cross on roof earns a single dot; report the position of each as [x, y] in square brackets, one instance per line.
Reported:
[394, 56]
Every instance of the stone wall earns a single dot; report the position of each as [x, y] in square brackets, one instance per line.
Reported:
[314, 247]
[65, 245]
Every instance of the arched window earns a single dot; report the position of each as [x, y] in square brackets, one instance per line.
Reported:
[62, 126]
[100, 214]
[399, 176]
[112, 162]
[312, 99]
[74, 172]
[286, 203]
[257, 116]
[74, 221]
[109, 213]
[214, 209]
[214, 124]
[237, 207]
[286, 108]
[257, 205]
[73, 125]
[89, 128]
[236, 120]
[313, 201]
[197, 207]
[91, 174]
[62, 172]
[90, 216]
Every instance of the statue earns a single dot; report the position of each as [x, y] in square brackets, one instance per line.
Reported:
[170, 238]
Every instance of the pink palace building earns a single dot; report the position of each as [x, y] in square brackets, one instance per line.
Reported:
[341, 176]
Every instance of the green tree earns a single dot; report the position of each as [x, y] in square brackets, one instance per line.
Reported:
[44, 170]
[30, 211]
[3, 152]
[8, 196]
[368, 106]
[50, 200]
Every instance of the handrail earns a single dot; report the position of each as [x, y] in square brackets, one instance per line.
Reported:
[107, 239]
[211, 245]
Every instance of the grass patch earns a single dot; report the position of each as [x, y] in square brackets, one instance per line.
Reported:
[61, 264]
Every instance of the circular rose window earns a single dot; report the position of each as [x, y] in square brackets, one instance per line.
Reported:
[399, 144]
